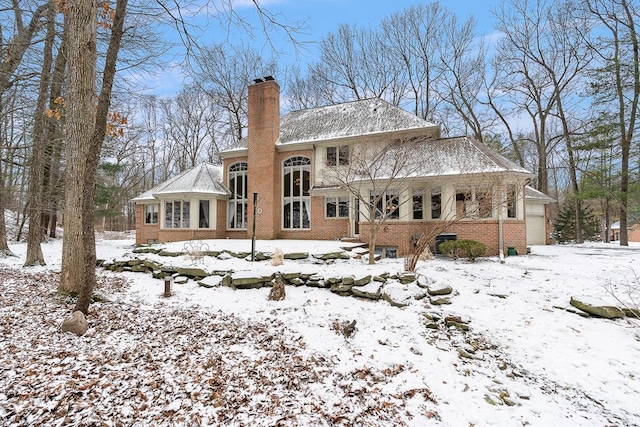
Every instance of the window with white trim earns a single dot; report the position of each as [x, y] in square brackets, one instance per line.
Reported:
[418, 199]
[151, 214]
[176, 214]
[512, 201]
[436, 203]
[296, 200]
[474, 202]
[338, 156]
[237, 204]
[337, 207]
[386, 203]
[203, 214]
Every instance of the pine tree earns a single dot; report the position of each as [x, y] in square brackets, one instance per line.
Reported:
[565, 224]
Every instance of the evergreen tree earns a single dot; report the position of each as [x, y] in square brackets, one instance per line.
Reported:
[565, 224]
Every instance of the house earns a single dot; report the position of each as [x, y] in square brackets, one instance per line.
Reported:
[633, 232]
[539, 227]
[284, 171]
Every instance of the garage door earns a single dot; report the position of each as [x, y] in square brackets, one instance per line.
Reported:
[536, 234]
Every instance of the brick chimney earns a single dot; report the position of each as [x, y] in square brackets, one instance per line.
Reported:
[263, 170]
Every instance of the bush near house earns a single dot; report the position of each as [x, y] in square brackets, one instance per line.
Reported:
[469, 248]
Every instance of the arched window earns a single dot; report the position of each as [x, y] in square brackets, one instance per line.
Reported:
[237, 207]
[296, 202]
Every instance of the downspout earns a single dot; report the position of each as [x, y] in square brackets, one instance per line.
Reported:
[501, 225]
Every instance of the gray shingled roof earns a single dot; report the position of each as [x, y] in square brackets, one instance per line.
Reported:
[355, 118]
[531, 193]
[463, 155]
[205, 178]
[363, 117]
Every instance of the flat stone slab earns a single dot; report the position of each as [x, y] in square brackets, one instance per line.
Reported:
[399, 295]
[147, 250]
[297, 255]
[331, 255]
[191, 272]
[169, 253]
[362, 280]
[438, 289]
[406, 277]
[423, 281]
[250, 279]
[597, 307]
[211, 282]
[341, 289]
[239, 255]
[369, 291]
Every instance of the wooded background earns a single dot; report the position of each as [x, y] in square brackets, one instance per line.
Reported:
[555, 89]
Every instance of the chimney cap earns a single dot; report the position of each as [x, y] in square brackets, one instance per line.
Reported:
[268, 78]
[256, 81]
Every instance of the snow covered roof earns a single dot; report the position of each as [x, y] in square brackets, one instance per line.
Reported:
[349, 119]
[463, 155]
[531, 193]
[630, 224]
[205, 178]
[363, 117]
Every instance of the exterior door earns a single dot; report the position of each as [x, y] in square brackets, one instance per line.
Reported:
[356, 217]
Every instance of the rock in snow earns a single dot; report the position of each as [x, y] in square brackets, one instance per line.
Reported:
[597, 307]
[76, 324]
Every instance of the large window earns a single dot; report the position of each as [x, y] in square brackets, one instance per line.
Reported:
[386, 203]
[418, 204]
[176, 214]
[474, 202]
[338, 156]
[237, 206]
[436, 203]
[512, 204]
[484, 198]
[296, 202]
[337, 207]
[150, 214]
[203, 214]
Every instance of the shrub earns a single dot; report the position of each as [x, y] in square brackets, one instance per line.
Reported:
[449, 248]
[469, 248]
[472, 249]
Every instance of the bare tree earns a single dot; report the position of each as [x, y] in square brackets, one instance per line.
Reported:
[43, 133]
[464, 81]
[545, 54]
[189, 123]
[223, 72]
[414, 36]
[78, 275]
[618, 54]
[525, 83]
[13, 47]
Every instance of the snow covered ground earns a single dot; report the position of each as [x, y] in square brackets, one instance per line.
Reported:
[218, 356]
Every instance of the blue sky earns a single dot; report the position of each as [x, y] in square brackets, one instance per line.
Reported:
[322, 17]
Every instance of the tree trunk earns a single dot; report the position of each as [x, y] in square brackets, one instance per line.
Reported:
[627, 132]
[4, 245]
[10, 59]
[54, 143]
[35, 234]
[97, 138]
[94, 144]
[81, 23]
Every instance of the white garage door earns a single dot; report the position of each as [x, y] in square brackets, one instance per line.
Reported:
[536, 234]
